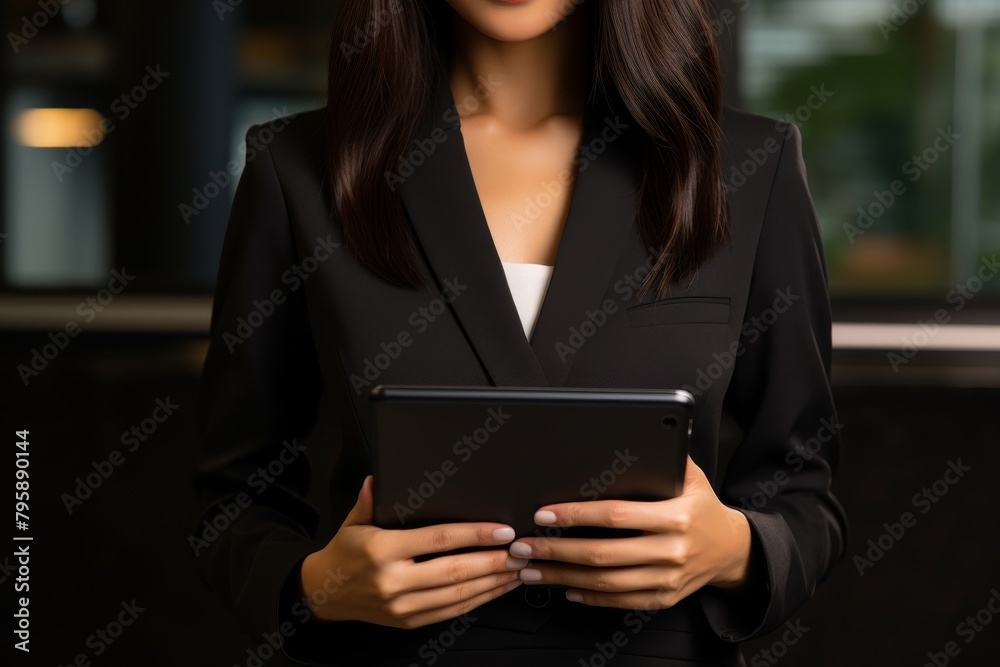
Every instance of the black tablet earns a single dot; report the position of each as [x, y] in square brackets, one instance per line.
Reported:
[450, 454]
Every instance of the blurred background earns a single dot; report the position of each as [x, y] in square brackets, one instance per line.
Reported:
[123, 128]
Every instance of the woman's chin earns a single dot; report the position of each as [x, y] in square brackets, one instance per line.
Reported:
[514, 21]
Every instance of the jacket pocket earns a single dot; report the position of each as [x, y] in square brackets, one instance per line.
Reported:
[681, 310]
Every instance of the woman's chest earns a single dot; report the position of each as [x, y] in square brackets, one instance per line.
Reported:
[524, 181]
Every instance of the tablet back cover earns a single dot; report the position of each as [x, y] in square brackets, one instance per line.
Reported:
[444, 455]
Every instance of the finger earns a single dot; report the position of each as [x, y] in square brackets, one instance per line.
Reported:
[647, 600]
[599, 579]
[458, 609]
[411, 542]
[603, 552]
[455, 569]
[362, 513]
[430, 599]
[650, 516]
[446, 570]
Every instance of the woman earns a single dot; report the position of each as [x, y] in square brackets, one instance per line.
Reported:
[520, 193]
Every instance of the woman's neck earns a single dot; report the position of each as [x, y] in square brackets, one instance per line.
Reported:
[529, 81]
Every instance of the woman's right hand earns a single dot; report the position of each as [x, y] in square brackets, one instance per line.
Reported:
[378, 580]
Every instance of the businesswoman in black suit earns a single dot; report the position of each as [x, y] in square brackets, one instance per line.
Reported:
[383, 240]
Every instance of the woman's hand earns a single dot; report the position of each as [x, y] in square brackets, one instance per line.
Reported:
[687, 542]
[378, 581]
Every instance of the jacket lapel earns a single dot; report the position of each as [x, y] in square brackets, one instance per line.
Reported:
[443, 205]
[601, 220]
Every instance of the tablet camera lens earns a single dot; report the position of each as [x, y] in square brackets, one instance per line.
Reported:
[669, 423]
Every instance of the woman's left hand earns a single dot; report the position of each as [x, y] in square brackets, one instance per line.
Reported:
[688, 542]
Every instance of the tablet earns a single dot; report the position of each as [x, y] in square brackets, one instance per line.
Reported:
[452, 454]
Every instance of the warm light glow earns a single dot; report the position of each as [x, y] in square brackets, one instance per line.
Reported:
[933, 336]
[59, 128]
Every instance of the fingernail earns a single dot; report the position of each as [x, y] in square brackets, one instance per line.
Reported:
[545, 517]
[503, 534]
[520, 549]
[516, 563]
[572, 596]
[531, 574]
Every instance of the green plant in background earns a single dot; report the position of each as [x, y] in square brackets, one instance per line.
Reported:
[879, 152]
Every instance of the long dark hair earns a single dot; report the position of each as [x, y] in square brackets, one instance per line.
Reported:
[658, 56]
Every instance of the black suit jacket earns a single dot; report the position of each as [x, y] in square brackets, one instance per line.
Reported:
[301, 331]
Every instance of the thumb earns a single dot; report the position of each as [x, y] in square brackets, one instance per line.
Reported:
[362, 513]
[693, 475]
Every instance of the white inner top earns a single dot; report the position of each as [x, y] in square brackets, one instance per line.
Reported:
[528, 284]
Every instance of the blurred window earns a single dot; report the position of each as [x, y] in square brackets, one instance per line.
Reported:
[899, 106]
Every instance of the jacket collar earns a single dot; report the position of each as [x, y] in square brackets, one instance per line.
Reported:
[443, 205]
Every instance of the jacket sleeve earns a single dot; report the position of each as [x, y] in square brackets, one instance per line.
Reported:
[258, 399]
[780, 474]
